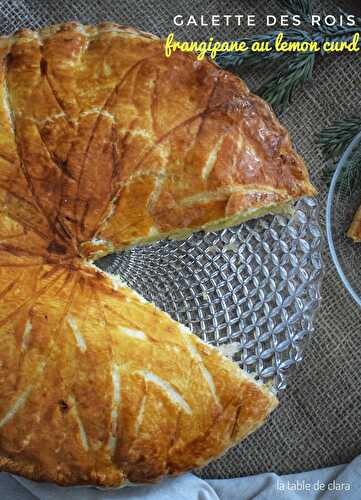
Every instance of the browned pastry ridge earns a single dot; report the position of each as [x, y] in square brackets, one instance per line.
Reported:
[355, 229]
[105, 143]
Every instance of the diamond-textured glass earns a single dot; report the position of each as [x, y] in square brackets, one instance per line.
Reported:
[344, 199]
[255, 286]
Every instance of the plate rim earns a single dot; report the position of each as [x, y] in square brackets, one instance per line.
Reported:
[330, 199]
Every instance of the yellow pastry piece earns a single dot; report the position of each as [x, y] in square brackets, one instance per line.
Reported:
[355, 229]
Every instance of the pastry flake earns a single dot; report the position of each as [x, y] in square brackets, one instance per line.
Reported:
[354, 231]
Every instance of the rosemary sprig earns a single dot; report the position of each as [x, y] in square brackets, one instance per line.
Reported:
[279, 89]
[294, 69]
[334, 140]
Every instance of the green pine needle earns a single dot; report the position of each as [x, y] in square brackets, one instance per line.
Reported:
[294, 69]
[334, 140]
[278, 90]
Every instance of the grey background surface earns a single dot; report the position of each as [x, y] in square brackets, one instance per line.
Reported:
[318, 422]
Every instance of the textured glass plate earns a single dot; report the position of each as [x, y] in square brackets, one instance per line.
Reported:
[344, 198]
[255, 285]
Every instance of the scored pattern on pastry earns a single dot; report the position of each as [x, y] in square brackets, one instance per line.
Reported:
[78, 336]
[105, 144]
[83, 435]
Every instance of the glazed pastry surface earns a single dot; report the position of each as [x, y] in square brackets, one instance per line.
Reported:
[106, 144]
[355, 229]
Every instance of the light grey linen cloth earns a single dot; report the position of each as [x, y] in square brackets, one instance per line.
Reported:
[342, 482]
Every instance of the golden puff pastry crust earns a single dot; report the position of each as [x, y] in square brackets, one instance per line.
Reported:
[122, 145]
[355, 229]
[105, 144]
[101, 387]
